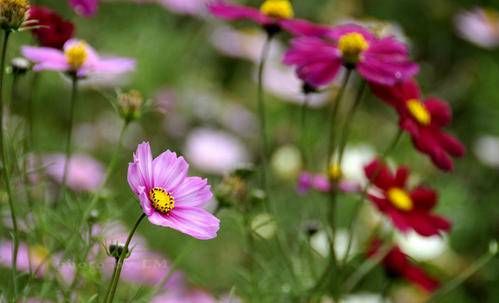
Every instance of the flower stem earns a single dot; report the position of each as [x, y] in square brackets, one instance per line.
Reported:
[303, 128]
[119, 264]
[5, 167]
[480, 263]
[332, 205]
[262, 113]
[74, 91]
[348, 122]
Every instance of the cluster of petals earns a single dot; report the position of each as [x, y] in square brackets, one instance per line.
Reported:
[76, 57]
[168, 196]
[233, 12]
[423, 120]
[380, 60]
[52, 30]
[398, 265]
[407, 209]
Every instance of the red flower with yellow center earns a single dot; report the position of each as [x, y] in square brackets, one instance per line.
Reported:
[398, 265]
[407, 209]
[424, 121]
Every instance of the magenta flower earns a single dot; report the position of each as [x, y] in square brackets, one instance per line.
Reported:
[76, 57]
[308, 181]
[85, 8]
[380, 60]
[273, 16]
[168, 196]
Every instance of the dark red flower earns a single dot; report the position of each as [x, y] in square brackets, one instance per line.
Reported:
[424, 121]
[54, 31]
[273, 16]
[407, 209]
[398, 265]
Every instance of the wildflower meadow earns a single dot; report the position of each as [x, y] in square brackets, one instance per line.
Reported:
[233, 151]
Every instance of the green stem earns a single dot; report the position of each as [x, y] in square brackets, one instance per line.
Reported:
[262, 113]
[112, 279]
[332, 206]
[480, 263]
[6, 177]
[121, 260]
[348, 122]
[363, 195]
[303, 128]
[74, 91]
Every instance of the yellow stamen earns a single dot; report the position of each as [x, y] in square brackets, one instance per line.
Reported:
[38, 254]
[400, 199]
[419, 111]
[13, 13]
[351, 46]
[76, 55]
[161, 200]
[282, 9]
[334, 172]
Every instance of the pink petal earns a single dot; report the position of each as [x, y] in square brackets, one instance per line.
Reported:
[143, 158]
[169, 170]
[232, 12]
[192, 192]
[145, 203]
[45, 58]
[114, 65]
[195, 222]
[86, 8]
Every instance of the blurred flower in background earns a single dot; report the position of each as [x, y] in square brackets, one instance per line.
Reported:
[85, 8]
[186, 7]
[486, 149]
[84, 172]
[215, 151]
[479, 26]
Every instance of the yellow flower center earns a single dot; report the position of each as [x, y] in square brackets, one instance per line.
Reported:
[282, 9]
[419, 111]
[76, 55]
[161, 200]
[13, 13]
[400, 199]
[351, 46]
[334, 172]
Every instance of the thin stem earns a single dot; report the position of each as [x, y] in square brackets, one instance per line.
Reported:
[113, 276]
[74, 91]
[5, 167]
[363, 194]
[366, 267]
[332, 206]
[479, 264]
[303, 128]
[262, 113]
[121, 260]
[348, 122]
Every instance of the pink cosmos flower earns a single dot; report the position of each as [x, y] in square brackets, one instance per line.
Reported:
[84, 173]
[168, 196]
[273, 16]
[85, 8]
[76, 57]
[186, 7]
[380, 60]
[479, 26]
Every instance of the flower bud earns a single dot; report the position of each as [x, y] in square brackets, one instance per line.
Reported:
[13, 13]
[115, 250]
[130, 105]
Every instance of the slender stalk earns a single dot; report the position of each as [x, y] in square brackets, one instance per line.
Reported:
[74, 91]
[5, 167]
[366, 267]
[121, 260]
[363, 195]
[348, 122]
[479, 264]
[332, 206]
[303, 128]
[262, 113]
[113, 276]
